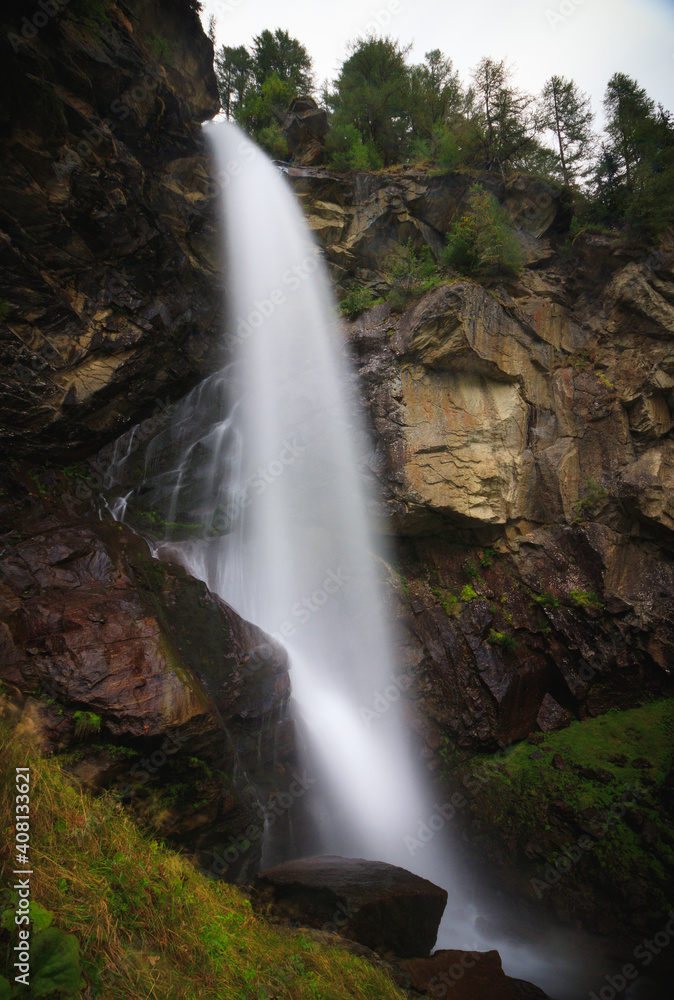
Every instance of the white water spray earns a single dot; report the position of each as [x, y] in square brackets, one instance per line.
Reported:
[260, 468]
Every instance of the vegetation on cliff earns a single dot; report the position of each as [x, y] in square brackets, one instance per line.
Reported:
[137, 920]
[587, 811]
[384, 110]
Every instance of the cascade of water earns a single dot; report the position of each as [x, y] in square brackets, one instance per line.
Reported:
[258, 479]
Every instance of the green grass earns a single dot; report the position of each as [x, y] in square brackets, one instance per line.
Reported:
[148, 924]
[525, 797]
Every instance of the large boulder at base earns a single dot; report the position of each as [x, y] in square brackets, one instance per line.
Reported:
[467, 975]
[386, 908]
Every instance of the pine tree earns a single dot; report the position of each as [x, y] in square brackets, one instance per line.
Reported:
[504, 115]
[482, 242]
[631, 119]
[372, 93]
[233, 72]
[279, 54]
[566, 112]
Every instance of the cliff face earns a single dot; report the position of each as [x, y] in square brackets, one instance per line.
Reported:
[525, 453]
[107, 255]
[110, 305]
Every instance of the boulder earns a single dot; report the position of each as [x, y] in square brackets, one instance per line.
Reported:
[383, 907]
[305, 127]
[552, 716]
[467, 975]
[162, 692]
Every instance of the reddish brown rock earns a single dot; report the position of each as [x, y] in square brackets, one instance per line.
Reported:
[164, 692]
[552, 716]
[467, 975]
[383, 907]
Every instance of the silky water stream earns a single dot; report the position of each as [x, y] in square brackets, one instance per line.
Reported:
[265, 457]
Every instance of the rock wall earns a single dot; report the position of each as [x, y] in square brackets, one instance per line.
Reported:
[523, 448]
[107, 253]
[155, 688]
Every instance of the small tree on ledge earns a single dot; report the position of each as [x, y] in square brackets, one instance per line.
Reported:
[482, 243]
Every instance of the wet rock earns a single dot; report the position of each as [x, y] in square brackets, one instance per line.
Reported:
[101, 645]
[552, 716]
[107, 249]
[467, 975]
[383, 907]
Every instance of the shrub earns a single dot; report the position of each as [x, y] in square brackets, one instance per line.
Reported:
[482, 243]
[501, 639]
[468, 593]
[346, 150]
[586, 599]
[410, 272]
[547, 599]
[86, 723]
[356, 301]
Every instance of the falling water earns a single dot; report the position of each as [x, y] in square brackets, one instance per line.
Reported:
[257, 476]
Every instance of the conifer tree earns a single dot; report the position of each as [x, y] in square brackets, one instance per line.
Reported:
[565, 111]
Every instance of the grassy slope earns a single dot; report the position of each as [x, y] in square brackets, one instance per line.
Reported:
[148, 924]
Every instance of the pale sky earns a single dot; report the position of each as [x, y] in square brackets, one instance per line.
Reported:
[586, 40]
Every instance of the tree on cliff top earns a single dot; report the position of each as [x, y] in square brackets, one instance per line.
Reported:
[566, 112]
[373, 95]
[279, 54]
[233, 67]
[505, 116]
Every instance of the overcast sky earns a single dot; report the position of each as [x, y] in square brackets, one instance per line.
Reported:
[586, 40]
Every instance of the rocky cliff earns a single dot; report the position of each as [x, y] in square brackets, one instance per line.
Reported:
[523, 446]
[110, 307]
[107, 258]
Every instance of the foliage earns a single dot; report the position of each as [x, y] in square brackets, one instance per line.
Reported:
[257, 86]
[547, 599]
[284, 57]
[593, 494]
[346, 150]
[409, 272]
[603, 756]
[504, 116]
[481, 243]
[161, 48]
[468, 593]
[148, 923]
[233, 70]
[372, 94]
[586, 599]
[566, 112]
[86, 723]
[260, 113]
[502, 639]
[356, 301]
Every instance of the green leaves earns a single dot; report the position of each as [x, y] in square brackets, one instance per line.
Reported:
[482, 243]
[55, 963]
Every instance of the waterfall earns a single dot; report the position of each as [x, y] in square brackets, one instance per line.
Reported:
[263, 493]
